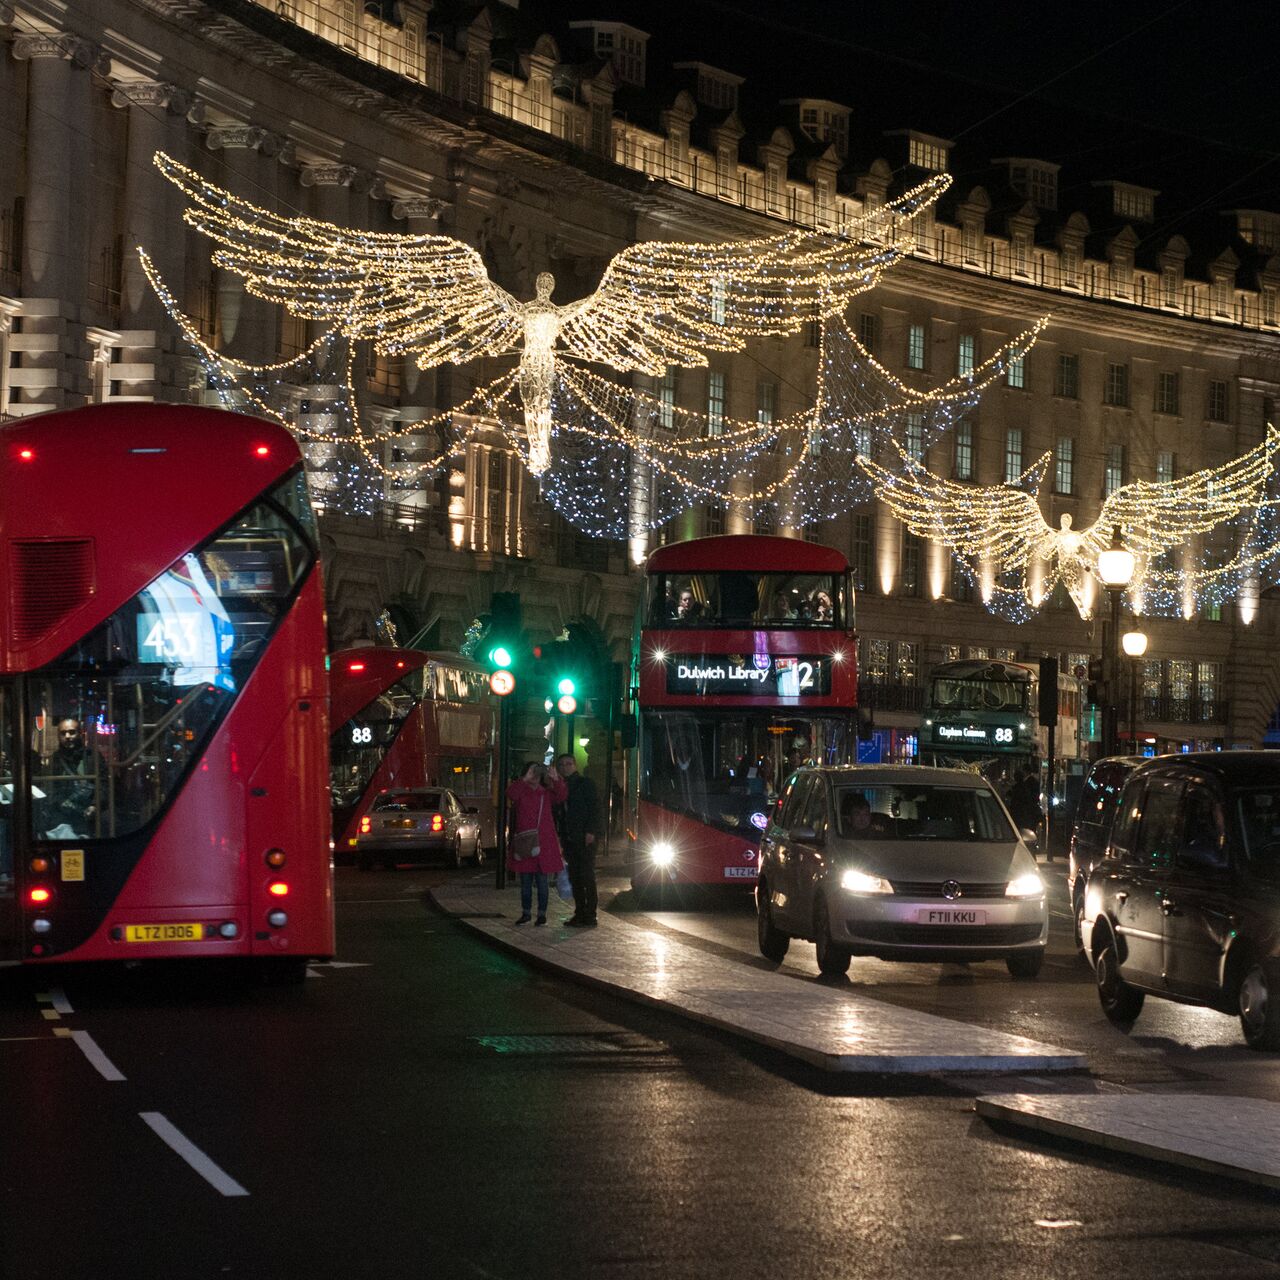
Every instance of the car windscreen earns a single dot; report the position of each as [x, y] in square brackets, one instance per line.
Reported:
[408, 802]
[922, 812]
[1259, 813]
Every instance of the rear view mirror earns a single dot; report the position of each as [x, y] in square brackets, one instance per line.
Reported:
[1029, 838]
[803, 835]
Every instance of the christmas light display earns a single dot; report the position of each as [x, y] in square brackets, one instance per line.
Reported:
[658, 305]
[1009, 549]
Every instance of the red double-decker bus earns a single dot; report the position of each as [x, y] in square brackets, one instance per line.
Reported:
[748, 669]
[163, 727]
[405, 718]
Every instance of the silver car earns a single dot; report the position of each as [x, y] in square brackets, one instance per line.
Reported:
[409, 824]
[900, 862]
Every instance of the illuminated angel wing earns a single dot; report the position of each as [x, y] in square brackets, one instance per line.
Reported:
[998, 523]
[664, 303]
[1154, 516]
[427, 294]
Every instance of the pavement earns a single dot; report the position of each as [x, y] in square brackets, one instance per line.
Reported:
[822, 1025]
[829, 1026]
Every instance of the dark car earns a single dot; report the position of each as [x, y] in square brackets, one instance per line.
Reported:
[1099, 803]
[410, 824]
[1185, 904]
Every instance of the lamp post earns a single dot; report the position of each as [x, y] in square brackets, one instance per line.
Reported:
[1135, 645]
[1115, 570]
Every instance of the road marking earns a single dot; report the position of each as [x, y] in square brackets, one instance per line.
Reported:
[89, 1047]
[15, 1039]
[58, 997]
[180, 1143]
[51, 1015]
[369, 902]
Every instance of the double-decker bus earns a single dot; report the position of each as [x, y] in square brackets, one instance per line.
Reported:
[984, 715]
[163, 727]
[747, 670]
[405, 718]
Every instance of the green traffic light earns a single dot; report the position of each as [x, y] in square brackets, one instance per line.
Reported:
[500, 656]
[566, 686]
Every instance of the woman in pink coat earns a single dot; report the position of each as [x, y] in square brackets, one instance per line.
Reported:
[533, 797]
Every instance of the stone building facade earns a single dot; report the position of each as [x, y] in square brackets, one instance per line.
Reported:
[552, 153]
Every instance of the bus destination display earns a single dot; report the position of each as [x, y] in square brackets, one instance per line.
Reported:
[974, 735]
[751, 675]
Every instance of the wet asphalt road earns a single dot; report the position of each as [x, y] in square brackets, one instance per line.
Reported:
[439, 1110]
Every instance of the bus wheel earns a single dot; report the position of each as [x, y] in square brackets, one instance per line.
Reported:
[833, 959]
[773, 942]
[282, 971]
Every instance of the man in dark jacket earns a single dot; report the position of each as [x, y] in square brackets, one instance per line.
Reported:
[581, 822]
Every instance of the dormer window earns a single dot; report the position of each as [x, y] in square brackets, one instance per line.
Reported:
[927, 155]
[1137, 204]
[622, 45]
[1036, 181]
[1259, 229]
[823, 122]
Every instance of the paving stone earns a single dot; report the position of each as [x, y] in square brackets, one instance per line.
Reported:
[1236, 1137]
[833, 1028]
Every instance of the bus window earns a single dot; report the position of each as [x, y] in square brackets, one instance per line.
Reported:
[745, 598]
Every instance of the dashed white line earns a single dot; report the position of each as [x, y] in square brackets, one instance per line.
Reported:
[89, 1047]
[58, 998]
[183, 1146]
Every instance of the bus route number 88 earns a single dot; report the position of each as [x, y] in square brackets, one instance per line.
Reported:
[1003, 736]
[361, 735]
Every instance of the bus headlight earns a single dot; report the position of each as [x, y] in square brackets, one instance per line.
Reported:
[860, 882]
[663, 853]
[1028, 885]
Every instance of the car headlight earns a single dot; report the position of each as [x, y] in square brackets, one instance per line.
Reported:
[662, 854]
[861, 882]
[1028, 885]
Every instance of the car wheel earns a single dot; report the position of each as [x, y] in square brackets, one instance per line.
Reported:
[1025, 964]
[773, 942]
[1120, 1002]
[1077, 904]
[478, 856]
[833, 959]
[1259, 1013]
[455, 854]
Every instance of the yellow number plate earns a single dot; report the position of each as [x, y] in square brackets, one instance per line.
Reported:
[164, 933]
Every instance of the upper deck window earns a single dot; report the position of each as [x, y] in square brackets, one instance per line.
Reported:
[744, 598]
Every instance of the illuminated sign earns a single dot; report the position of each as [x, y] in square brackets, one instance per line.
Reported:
[756, 675]
[975, 735]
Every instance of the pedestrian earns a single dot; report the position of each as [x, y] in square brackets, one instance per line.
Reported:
[533, 851]
[582, 826]
[1024, 800]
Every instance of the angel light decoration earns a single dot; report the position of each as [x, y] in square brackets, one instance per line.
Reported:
[658, 303]
[1001, 526]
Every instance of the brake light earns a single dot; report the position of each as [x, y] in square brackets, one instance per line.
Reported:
[26, 454]
[355, 666]
[278, 889]
[261, 450]
[39, 895]
[437, 822]
[365, 824]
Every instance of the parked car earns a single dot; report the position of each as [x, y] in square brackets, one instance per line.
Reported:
[1095, 814]
[410, 824]
[1186, 903]
[900, 862]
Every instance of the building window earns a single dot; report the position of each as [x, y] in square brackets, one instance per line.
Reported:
[906, 668]
[667, 401]
[875, 660]
[1216, 408]
[963, 468]
[969, 242]
[964, 358]
[979, 653]
[1064, 466]
[1167, 393]
[715, 404]
[1016, 374]
[1006, 655]
[915, 346]
[868, 330]
[927, 155]
[766, 406]
[1169, 287]
[915, 437]
[765, 522]
[1019, 254]
[961, 583]
[862, 440]
[713, 519]
[1130, 203]
[1116, 391]
[1212, 612]
[912, 558]
[860, 550]
[1012, 455]
[812, 333]
[1166, 466]
[1070, 266]
[717, 301]
[1113, 471]
[1066, 379]
[951, 653]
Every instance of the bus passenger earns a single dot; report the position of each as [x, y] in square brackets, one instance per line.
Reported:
[688, 610]
[821, 609]
[783, 609]
[71, 791]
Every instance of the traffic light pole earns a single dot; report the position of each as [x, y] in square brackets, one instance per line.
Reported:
[504, 751]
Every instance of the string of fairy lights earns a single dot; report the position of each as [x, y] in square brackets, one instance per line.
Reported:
[617, 459]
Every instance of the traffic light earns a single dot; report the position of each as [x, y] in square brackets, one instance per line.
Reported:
[1093, 691]
[566, 699]
[503, 641]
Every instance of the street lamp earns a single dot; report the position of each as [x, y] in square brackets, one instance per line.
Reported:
[1115, 569]
[1135, 645]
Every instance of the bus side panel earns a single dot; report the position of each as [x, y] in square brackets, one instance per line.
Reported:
[704, 855]
[403, 765]
[197, 864]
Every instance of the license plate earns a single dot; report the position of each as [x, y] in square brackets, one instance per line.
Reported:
[950, 915]
[403, 824]
[164, 932]
[739, 873]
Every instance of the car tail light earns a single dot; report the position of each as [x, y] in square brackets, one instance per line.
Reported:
[365, 824]
[437, 822]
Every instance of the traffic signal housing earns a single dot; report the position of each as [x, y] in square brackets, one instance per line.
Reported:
[1094, 692]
